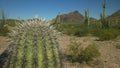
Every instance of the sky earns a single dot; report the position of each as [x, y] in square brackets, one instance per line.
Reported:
[49, 9]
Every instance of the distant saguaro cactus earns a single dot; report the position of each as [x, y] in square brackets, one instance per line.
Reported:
[87, 20]
[87, 15]
[3, 18]
[57, 21]
[33, 45]
[104, 21]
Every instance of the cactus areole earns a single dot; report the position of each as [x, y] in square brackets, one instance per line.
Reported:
[33, 45]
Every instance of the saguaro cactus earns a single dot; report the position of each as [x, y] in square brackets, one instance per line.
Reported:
[57, 21]
[87, 15]
[86, 20]
[104, 21]
[33, 45]
[2, 16]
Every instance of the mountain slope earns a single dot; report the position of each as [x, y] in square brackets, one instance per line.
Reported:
[115, 16]
[72, 17]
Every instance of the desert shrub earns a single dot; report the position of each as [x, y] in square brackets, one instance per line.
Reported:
[89, 53]
[75, 32]
[11, 22]
[4, 31]
[79, 29]
[76, 53]
[73, 51]
[75, 29]
[106, 34]
[5, 24]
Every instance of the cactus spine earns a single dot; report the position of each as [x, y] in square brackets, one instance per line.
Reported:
[33, 45]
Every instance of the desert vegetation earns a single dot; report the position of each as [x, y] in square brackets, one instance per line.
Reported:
[34, 43]
[103, 28]
[6, 23]
[78, 53]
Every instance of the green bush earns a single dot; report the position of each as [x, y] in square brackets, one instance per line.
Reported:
[4, 24]
[79, 29]
[77, 54]
[11, 22]
[75, 29]
[73, 51]
[74, 32]
[107, 34]
[89, 53]
[4, 31]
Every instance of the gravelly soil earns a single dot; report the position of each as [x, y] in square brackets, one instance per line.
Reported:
[3, 43]
[110, 55]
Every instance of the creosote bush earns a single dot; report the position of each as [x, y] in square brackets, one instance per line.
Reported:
[76, 53]
[4, 31]
[74, 29]
[89, 53]
[107, 34]
[73, 51]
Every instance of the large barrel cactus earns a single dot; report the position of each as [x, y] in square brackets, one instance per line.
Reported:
[33, 45]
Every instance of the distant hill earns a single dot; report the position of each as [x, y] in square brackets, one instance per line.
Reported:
[72, 17]
[115, 17]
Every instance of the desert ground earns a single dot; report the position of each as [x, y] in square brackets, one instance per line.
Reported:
[109, 58]
[110, 54]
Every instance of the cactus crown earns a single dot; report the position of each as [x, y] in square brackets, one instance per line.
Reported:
[33, 45]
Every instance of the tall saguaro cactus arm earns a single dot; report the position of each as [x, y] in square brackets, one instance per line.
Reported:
[86, 20]
[104, 9]
[104, 21]
[87, 16]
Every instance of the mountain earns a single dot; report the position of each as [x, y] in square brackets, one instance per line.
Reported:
[72, 17]
[114, 17]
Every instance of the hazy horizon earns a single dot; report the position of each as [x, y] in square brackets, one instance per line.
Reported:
[48, 9]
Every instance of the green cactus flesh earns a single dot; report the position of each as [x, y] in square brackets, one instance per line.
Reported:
[33, 46]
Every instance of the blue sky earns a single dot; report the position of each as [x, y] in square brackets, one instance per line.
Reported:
[49, 8]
